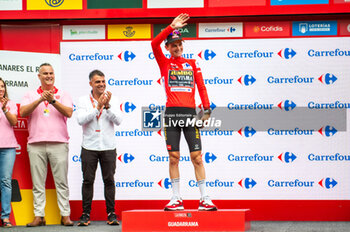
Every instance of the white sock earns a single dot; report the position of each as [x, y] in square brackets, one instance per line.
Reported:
[202, 188]
[175, 183]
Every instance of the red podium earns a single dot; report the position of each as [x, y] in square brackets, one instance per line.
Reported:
[187, 220]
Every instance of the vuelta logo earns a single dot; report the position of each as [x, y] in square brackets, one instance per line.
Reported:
[327, 183]
[247, 131]
[207, 54]
[127, 107]
[327, 79]
[246, 80]
[247, 183]
[126, 56]
[165, 183]
[209, 157]
[54, 3]
[126, 158]
[287, 157]
[327, 131]
[287, 105]
[287, 53]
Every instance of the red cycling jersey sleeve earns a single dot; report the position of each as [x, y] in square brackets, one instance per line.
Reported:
[180, 76]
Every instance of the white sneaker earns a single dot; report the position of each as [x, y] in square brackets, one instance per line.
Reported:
[174, 204]
[206, 204]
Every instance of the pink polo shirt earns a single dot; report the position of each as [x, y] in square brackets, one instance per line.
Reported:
[45, 123]
[7, 136]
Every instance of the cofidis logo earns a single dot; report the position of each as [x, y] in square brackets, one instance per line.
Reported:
[267, 29]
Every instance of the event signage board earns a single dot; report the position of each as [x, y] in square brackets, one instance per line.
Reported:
[10, 5]
[314, 28]
[298, 2]
[83, 32]
[209, 30]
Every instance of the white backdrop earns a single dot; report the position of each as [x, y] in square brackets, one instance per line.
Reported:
[145, 178]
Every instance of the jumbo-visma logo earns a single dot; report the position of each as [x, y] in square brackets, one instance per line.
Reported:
[327, 78]
[327, 131]
[327, 183]
[126, 158]
[209, 157]
[287, 53]
[126, 56]
[127, 107]
[287, 157]
[286, 105]
[247, 131]
[246, 80]
[207, 54]
[247, 183]
[165, 183]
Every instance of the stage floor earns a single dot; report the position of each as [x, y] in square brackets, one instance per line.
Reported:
[256, 226]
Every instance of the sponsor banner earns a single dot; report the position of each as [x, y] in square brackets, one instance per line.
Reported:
[209, 30]
[174, 3]
[228, 3]
[83, 32]
[314, 28]
[10, 5]
[344, 27]
[298, 2]
[113, 4]
[341, 1]
[54, 5]
[189, 31]
[129, 31]
[267, 29]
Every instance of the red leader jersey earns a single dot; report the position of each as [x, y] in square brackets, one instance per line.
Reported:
[180, 76]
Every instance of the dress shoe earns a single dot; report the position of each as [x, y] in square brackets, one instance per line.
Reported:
[65, 221]
[38, 221]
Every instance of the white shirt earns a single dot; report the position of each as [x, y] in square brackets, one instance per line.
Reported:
[98, 133]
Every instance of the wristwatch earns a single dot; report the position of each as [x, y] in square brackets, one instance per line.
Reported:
[207, 111]
[53, 101]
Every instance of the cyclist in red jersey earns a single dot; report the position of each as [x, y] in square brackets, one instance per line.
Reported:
[180, 76]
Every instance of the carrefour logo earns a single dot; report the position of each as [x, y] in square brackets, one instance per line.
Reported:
[165, 158]
[246, 80]
[90, 57]
[336, 52]
[290, 183]
[134, 133]
[247, 183]
[184, 55]
[126, 56]
[207, 54]
[287, 157]
[295, 131]
[287, 53]
[54, 3]
[247, 131]
[287, 105]
[250, 158]
[165, 183]
[134, 82]
[134, 184]
[249, 55]
[327, 183]
[126, 158]
[335, 105]
[76, 158]
[327, 158]
[127, 107]
[216, 132]
[327, 78]
[327, 131]
[209, 157]
[213, 184]
[290, 80]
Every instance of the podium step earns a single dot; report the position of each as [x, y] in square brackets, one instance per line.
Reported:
[186, 220]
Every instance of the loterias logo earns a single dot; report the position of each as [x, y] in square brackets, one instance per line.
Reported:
[246, 80]
[126, 56]
[287, 53]
[286, 105]
[287, 157]
[126, 158]
[207, 54]
[127, 107]
[209, 157]
[247, 183]
[54, 3]
[327, 183]
[327, 79]
[247, 131]
[165, 183]
[327, 131]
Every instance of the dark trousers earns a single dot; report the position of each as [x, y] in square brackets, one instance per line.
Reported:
[89, 160]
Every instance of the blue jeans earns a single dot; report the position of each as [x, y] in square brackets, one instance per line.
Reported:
[7, 160]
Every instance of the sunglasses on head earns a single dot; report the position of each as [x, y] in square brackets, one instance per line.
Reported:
[175, 32]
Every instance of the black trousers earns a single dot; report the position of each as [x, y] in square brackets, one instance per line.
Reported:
[89, 161]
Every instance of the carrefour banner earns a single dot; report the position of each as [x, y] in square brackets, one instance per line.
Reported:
[282, 102]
